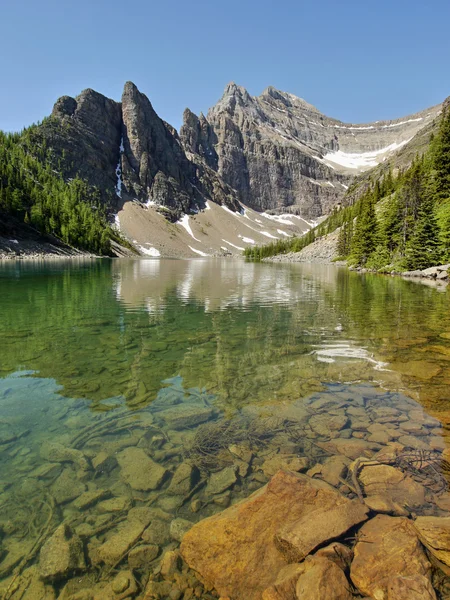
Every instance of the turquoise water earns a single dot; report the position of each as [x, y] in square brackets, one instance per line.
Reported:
[102, 356]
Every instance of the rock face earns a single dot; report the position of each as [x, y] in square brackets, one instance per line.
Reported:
[269, 152]
[235, 551]
[277, 150]
[154, 166]
[129, 153]
[388, 549]
[85, 133]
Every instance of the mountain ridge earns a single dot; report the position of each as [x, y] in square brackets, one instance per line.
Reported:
[274, 152]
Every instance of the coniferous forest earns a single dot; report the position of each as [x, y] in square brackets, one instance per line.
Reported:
[401, 222]
[33, 191]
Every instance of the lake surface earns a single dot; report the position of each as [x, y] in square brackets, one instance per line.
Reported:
[98, 357]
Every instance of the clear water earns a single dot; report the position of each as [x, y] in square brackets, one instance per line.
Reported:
[100, 356]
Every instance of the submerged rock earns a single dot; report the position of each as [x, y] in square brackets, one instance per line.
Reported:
[178, 527]
[90, 498]
[55, 452]
[141, 556]
[126, 535]
[140, 471]
[183, 479]
[388, 549]
[325, 424]
[123, 586]
[434, 533]
[297, 540]
[392, 483]
[67, 487]
[322, 578]
[187, 416]
[235, 551]
[289, 463]
[61, 555]
[221, 481]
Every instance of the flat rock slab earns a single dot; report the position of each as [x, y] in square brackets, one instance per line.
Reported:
[351, 448]
[322, 525]
[235, 551]
[67, 487]
[434, 533]
[221, 481]
[139, 470]
[389, 548]
[324, 424]
[387, 481]
[186, 416]
[119, 543]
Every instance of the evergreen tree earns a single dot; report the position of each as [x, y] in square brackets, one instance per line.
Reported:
[441, 163]
[364, 239]
[422, 250]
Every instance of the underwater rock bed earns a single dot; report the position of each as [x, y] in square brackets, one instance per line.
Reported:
[94, 506]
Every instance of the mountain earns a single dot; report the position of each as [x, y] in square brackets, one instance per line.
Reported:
[396, 217]
[253, 169]
[279, 151]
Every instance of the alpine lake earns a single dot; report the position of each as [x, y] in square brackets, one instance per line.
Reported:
[140, 396]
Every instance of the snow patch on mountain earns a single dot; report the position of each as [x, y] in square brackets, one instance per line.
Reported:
[363, 160]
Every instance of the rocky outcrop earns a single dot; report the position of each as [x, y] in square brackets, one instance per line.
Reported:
[154, 166]
[84, 134]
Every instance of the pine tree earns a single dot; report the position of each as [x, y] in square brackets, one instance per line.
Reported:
[422, 250]
[364, 238]
[441, 162]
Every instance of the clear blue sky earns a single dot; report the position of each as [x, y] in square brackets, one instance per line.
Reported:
[357, 61]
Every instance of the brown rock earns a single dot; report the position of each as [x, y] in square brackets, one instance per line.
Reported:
[141, 556]
[140, 471]
[299, 539]
[61, 555]
[285, 584]
[383, 503]
[415, 587]
[116, 546]
[352, 448]
[322, 579]
[338, 553]
[334, 469]
[388, 548]
[391, 482]
[324, 424]
[235, 552]
[288, 463]
[434, 533]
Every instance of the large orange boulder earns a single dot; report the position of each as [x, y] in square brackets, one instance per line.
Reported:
[235, 551]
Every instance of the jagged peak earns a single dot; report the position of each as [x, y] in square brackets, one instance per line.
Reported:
[233, 89]
[188, 115]
[130, 87]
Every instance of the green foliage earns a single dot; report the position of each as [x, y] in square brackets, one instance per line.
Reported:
[34, 192]
[280, 246]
